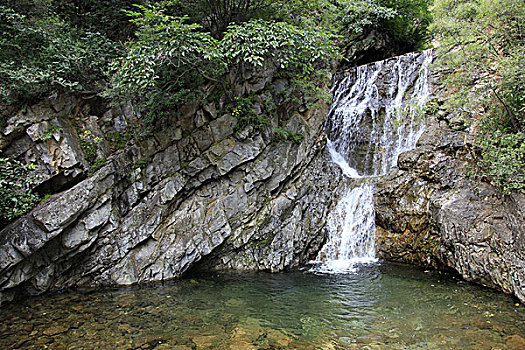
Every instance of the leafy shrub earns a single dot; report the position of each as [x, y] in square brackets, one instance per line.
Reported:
[360, 15]
[405, 22]
[409, 29]
[88, 143]
[98, 163]
[165, 66]
[289, 46]
[503, 160]
[242, 110]
[172, 59]
[103, 16]
[16, 198]
[283, 135]
[306, 91]
[51, 130]
[40, 54]
[216, 15]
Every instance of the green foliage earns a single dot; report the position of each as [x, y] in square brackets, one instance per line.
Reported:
[142, 163]
[51, 45]
[45, 198]
[484, 53]
[410, 28]
[88, 143]
[98, 163]
[503, 160]
[172, 59]
[216, 15]
[104, 16]
[406, 22]
[119, 140]
[51, 130]
[307, 91]
[42, 53]
[283, 135]
[358, 16]
[242, 110]
[431, 107]
[16, 198]
[289, 46]
[165, 66]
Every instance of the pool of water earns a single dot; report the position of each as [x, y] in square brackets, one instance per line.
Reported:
[379, 306]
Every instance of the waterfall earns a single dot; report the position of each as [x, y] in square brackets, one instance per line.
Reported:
[376, 114]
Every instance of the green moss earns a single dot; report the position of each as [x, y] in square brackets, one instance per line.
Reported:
[45, 198]
[262, 243]
[186, 133]
[142, 163]
[98, 163]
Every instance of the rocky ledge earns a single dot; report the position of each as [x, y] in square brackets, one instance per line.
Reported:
[430, 213]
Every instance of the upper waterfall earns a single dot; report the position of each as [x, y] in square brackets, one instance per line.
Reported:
[377, 113]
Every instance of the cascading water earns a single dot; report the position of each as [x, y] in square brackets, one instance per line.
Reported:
[377, 114]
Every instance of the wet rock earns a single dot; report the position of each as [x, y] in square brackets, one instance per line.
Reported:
[56, 329]
[429, 213]
[205, 341]
[515, 342]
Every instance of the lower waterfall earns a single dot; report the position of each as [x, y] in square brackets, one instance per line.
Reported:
[377, 113]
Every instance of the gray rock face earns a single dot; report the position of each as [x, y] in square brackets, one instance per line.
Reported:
[429, 213]
[51, 136]
[194, 193]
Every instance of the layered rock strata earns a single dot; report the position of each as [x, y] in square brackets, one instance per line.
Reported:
[155, 207]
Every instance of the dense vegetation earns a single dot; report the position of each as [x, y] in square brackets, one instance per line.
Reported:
[160, 54]
[16, 197]
[483, 52]
[49, 45]
[56, 45]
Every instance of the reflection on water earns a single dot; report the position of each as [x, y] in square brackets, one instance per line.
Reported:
[383, 306]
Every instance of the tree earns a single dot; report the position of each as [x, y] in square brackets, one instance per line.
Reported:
[40, 51]
[216, 15]
[171, 58]
[405, 22]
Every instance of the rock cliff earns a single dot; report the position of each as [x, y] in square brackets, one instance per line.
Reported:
[131, 206]
[148, 207]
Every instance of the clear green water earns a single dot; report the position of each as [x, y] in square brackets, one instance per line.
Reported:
[384, 306]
